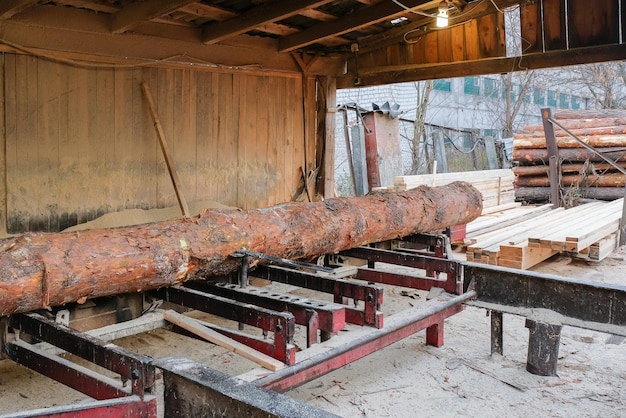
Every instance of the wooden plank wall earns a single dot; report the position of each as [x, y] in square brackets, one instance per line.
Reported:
[80, 141]
[479, 38]
[588, 24]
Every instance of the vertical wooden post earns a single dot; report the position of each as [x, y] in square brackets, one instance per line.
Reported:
[622, 223]
[497, 341]
[329, 137]
[440, 152]
[543, 347]
[3, 158]
[553, 155]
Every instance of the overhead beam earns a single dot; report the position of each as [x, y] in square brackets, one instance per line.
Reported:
[374, 76]
[385, 10]
[9, 8]
[139, 12]
[258, 16]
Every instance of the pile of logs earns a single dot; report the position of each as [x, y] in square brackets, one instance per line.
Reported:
[583, 173]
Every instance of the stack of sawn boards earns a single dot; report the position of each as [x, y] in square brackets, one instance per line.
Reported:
[583, 173]
[524, 236]
[496, 186]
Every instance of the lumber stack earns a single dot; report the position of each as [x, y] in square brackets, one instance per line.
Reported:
[496, 186]
[527, 235]
[583, 173]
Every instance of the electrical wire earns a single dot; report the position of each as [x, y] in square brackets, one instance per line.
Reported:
[417, 12]
[144, 61]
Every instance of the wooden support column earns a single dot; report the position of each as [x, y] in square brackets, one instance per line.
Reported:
[330, 110]
[3, 158]
[497, 342]
[543, 347]
[440, 152]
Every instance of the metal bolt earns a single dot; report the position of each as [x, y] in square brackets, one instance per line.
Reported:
[134, 374]
[370, 297]
[279, 328]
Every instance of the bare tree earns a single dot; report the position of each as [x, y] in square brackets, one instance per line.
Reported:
[605, 83]
[419, 151]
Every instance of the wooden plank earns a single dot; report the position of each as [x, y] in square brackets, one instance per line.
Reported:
[531, 27]
[207, 178]
[554, 25]
[48, 93]
[529, 256]
[8, 8]
[597, 25]
[135, 13]
[215, 337]
[228, 97]
[262, 140]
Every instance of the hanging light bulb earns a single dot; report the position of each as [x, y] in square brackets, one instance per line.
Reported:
[442, 15]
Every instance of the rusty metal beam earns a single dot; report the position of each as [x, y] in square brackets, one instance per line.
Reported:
[130, 366]
[399, 326]
[130, 406]
[195, 390]
[282, 324]
[580, 303]
[371, 295]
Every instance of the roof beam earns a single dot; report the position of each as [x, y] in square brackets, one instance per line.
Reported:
[385, 10]
[374, 76]
[258, 16]
[139, 12]
[9, 8]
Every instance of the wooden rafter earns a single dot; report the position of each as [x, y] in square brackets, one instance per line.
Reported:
[260, 15]
[139, 12]
[354, 21]
[9, 8]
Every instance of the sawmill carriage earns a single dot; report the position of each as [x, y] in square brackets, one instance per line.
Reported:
[112, 106]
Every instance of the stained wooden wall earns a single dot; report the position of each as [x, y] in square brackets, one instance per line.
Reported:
[80, 141]
[482, 37]
[588, 23]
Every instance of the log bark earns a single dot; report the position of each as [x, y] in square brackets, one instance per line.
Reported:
[537, 155]
[568, 180]
[573, 124]
[542, 194]
[596, 141]
[42, 270]
[535, 170]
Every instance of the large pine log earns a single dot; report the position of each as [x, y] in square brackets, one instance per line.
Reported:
[540, 155]
[574, 124]
[568, 180]
[596, 141]
[42, 270]
[542, 194]
[535, 170]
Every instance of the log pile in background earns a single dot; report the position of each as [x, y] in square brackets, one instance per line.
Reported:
[42, 270]
[583, 174]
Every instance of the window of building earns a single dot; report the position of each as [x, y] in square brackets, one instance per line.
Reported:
[442, 85]
[491, 87]
[563, 101]
[575, 102]
[471, 85]
[551, 98]
[539, 96]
